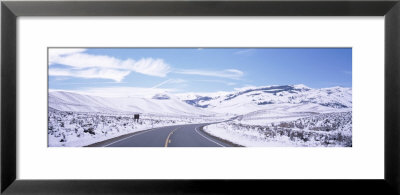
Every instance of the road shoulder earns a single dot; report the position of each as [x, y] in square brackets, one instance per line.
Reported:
[218, 138]
[115, 139]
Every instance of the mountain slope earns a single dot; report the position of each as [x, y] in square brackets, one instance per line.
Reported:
[159, 104]
[253, 99]
[287, 98]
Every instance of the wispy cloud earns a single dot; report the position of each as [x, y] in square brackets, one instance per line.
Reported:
[244, 52]
[228, 73]
[56, 53]
[91, 73]
[120, 91]
[87, 83]
[217, 81]
[77, 63]
[150, 66]
[169, 81]
[102, 66]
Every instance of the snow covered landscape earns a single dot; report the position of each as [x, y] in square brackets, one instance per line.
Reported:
[79, 120]
[288, 115]
[200, 97]
[283, 116]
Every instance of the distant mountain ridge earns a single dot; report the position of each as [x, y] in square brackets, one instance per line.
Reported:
[260, 97]
[296, 98]
[159, 104]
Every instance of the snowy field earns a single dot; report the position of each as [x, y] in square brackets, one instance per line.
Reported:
[81, 129]
[325, 130]
[287, 115]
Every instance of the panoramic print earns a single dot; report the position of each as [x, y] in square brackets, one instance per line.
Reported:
[199, 97]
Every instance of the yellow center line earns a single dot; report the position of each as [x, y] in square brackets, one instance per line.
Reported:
[169, 135]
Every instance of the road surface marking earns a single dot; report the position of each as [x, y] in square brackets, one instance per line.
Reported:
[169, 135]
[145, 131]
[208, 138]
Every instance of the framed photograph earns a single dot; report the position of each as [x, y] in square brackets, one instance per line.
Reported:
[118, 97]
[193, 97]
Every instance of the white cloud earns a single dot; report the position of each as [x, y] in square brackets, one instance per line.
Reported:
[105, 65]
[246, 52]
[116, 75]
[228, 73]
[84, 65]
[169, 81]
[217, 81]
[147, 66]
[120, 91]
[83, 60]
[150, 66]
[55, 53]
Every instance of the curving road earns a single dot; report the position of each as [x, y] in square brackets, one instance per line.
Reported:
[171, 136]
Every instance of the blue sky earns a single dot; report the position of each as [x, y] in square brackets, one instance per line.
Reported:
[180, 70]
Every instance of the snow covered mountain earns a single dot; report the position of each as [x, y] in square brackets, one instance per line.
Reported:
[252, 99]
[296, 98]
[287, 115]
[158, 104]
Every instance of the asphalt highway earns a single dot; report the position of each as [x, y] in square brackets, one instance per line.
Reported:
[171, 136]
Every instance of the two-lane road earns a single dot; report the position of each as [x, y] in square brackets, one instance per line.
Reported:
[171, 136]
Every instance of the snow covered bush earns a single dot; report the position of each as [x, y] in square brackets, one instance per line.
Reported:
[80, 129]
[327, 129]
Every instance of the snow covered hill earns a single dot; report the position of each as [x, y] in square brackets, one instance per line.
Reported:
[159, 104]
[317, 130]
[287, 115]
[258, 98]
[284, 98]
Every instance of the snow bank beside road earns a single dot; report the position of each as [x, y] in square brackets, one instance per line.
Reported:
[81, 129]
[324, 130]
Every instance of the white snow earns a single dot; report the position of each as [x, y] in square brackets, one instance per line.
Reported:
[252, 99]
[67, 101]
[81, 129]
[327, 129]
[285, 112]
[294, 115]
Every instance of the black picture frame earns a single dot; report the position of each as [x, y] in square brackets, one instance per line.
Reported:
[11, 10]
